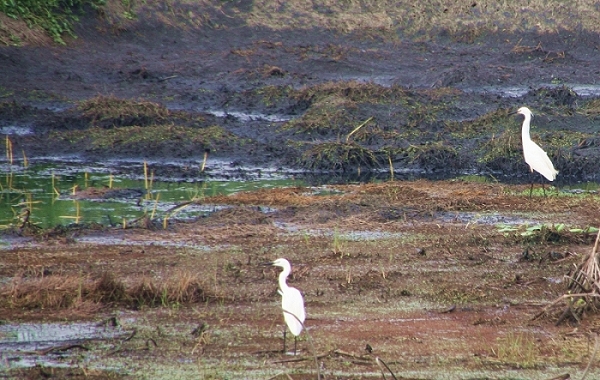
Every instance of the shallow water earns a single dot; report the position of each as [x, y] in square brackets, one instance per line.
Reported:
[30, 344]
[584, 90]
[69, 190]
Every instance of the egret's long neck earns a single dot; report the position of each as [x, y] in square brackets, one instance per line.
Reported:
[525, 130]
[282, 279]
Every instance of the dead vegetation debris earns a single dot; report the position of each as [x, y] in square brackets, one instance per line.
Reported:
[582, 295]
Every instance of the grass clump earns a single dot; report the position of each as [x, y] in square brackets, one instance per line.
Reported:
[591, 108]
[179, 140]
[338, 156]
[183, 288]
[517, 349]
[502, 152]
[435, 155]
[327, 116]
[492, 121]
[110, 111]
[352, 90]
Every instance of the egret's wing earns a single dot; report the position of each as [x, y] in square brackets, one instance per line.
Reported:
[294, 314]
[538, 160]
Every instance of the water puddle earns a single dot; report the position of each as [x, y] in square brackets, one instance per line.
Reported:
[480, 218]
[141, 242]
[31, 344]
[16, 130]
[584, 90]
[244, 116]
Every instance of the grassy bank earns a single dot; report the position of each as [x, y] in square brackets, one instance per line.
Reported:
[463, 21]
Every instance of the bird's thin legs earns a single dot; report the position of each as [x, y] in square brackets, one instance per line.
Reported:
[544, 189]
[284, 339]
[531, 188]
[284, 332]
[295, 340]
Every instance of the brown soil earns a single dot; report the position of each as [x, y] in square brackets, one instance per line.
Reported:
[417, 270]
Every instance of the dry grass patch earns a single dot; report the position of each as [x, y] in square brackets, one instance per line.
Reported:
[291, 196]
[183, 288]
[465, 20]
[18, 33]
[71, 291]
[53, 292]
[582, 295]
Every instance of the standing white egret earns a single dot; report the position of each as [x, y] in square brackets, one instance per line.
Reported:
[292, 302]
[535, 157]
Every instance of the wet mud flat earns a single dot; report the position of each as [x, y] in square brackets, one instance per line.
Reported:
[440, 279]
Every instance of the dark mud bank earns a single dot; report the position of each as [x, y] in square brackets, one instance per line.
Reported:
[341, 104]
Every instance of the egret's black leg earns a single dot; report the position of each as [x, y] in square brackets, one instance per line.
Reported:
[531, 188]
[295, 339]
[284, 332]
[544, 189]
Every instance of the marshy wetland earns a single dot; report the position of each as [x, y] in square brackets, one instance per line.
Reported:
[153, 163]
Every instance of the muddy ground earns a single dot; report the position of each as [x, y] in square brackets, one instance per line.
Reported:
[426, 273]
[294, 97]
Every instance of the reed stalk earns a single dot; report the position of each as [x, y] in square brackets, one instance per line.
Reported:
[9, 150]
[25, 160]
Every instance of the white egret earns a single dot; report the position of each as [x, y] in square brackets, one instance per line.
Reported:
[292, 302]
[535, 157]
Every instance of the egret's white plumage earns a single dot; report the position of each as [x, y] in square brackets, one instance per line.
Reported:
[535, 156]
[292, 301]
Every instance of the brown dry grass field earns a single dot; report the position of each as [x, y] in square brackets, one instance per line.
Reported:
[425, 273]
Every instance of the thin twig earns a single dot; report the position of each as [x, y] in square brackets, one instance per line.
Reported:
[357, 128]
[347, 354]
[380, 363]
[597, 341]
[310, 341]
[133, 333]
[64, 347]
[167, 78]
[564, 296]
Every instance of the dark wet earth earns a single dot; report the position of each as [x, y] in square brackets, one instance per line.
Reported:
[292, 98]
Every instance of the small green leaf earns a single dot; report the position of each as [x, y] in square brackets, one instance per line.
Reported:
[537, 227]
